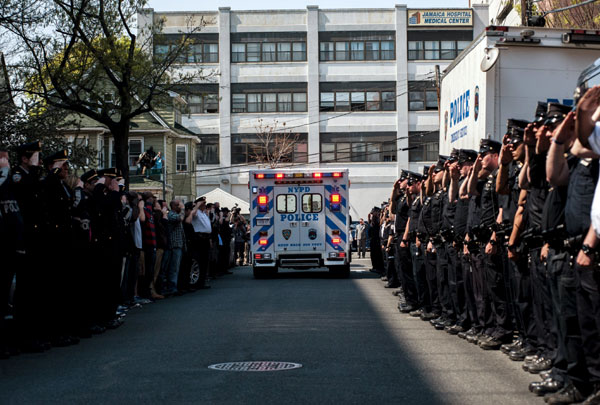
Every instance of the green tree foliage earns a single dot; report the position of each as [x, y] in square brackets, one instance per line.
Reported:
[88, 57]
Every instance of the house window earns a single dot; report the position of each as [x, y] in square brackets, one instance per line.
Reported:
[423, 146]
[136, 147]
[181, 152]
[203, 103]
[246, 148]
[207, 151]
[357, 147]
[268, 102]
[358, 101]
[357, 50]
[271, 51]
[101, 153]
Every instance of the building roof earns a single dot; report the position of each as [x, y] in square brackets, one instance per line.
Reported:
[227, 200]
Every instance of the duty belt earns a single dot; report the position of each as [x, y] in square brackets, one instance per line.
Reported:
[532, 238]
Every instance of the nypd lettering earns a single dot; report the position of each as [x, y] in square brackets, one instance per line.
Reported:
[298, 190]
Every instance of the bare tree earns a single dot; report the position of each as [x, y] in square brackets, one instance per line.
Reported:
[86, 57]
[275, 147]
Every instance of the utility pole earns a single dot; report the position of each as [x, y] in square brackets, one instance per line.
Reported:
[437, 87]
[524, 12]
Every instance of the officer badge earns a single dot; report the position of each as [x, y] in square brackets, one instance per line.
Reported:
[312, 234]
[16, 177]
[286, 233]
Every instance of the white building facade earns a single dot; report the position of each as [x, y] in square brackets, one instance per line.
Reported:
[354, 88]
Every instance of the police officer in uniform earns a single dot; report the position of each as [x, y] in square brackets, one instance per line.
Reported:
[31, 320]
[447, 234]
[12, 249]
[418, 262]
[438, 243]
[108, 247]
[425, 235]
[512, 158]
[401, 205]
[58, 233]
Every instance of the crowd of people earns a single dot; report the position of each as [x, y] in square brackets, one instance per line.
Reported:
[500, 247]
[82, 251]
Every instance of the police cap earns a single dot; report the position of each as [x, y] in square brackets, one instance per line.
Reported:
[540, 111]
[440, 163]
[453, 155]
[516, 128]
[110, 172]
[425, 172]
[60, 156]
[403, 175]
[414, 178]
[556, 113]
[467, 155]
[29, 148]
[89, 176]
[489, 146]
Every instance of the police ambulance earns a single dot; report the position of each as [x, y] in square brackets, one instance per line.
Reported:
[299, 219]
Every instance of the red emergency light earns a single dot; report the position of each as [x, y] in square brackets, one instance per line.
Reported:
[263, 199]
[337, 174]
[262, 242]
[259, 175]
[317, 175]
[336, 240]
[279, 176]
[258, 256]
[335, 198]
[341, 254]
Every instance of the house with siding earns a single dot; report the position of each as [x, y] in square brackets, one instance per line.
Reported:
[160, 130]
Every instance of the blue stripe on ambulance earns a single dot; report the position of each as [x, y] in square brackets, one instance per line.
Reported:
[331, 225]
[268, 190]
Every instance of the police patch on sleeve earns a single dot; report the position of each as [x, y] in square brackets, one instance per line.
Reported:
[16, 177]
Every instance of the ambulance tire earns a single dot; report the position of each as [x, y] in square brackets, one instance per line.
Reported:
[264, 272]
[340, 271]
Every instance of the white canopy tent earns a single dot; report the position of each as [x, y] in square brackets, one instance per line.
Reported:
[227, 200]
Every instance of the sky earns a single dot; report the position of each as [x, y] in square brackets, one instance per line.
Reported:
[196, 5]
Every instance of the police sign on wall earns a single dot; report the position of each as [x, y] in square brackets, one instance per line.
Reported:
[423, 18]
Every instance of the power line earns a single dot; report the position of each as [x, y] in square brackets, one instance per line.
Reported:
[248, 164]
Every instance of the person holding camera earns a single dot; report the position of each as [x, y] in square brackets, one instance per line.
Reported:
[200, 220]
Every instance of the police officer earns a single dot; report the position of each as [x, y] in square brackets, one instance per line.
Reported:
[454, 274]
[426, 232]
[511, 160]
[12, 249]
[107, 246]
[26, 180]
[83, 278]
[418, 263]
[458, 193]
[439, 243]
[58, 233]
[375, 241]
[489, 288]
[401, 205]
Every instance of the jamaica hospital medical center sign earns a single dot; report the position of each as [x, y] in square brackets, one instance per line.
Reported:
[424, 18]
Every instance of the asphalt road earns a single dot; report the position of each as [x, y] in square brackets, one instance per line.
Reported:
[353, 344]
